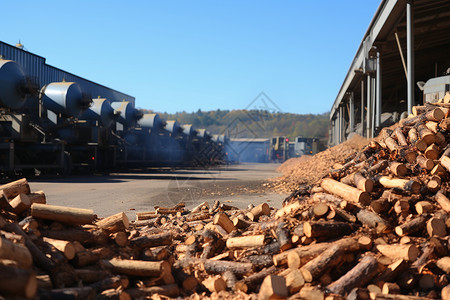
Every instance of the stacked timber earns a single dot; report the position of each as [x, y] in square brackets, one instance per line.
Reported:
[377, 226]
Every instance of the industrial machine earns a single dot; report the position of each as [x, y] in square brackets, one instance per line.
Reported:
[279, 149]
[53, 121]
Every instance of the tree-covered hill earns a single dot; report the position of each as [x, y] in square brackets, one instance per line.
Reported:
[254, 123]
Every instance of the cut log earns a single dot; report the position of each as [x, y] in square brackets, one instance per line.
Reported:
[311, 293]
[391, 144]
[246, 241]
[220, 266]
[426, 135]
[120, 238]
[91, 276]
[16, 252]
[397, 168]
[294, 281]
[372, 220]
[224, 221]
[252, 281]
[342, 214]
[306, 253]
[392, 271]
[114, 223]
[432, 152]
[67, 215]
[445, 293]
[438, 170]
[258, 211]
[283, 236]
[436, 227]
[75, 293]
[361, 274]
[395, 251]
[200, 207]
[136, 267]
[400, 137]
[230, 279]
[363, 183]
[404, 184]
[411, 227]
[215, 284]
[170, 290]
[325, 261]
[113, 282]
[12, 189]
[326, 229]
[20, 203]
[113, 294]
[38, 197]
[320, 210]
[17, 282]
[65, 247]
[273, 287]
[444, 264]
[390, 288]
[443, 201]
[95, 237]
[365, 242]
[240, 223]
[344, 191]
[425, 163]
[198, 216]
[154, 240]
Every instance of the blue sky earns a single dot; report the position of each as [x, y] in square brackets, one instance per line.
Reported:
[189, 55]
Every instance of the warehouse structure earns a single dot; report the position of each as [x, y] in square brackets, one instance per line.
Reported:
[405, 46]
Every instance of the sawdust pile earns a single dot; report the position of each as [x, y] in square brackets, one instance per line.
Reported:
[309, 169]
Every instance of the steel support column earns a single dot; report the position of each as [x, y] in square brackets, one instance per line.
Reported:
[362, 107]
[369, 108]
[341, 124]
[410, 53]
[378, 93]
[351, 104]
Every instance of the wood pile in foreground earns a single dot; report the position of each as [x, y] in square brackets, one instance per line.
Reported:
[377, 227]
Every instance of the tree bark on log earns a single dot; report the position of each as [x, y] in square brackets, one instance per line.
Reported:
[170, 290]
[344, 191]
[306, 253]
[67, 215]
[246, 241]
[411, 227]
[220, 266]
[372, 220]
[12, 189]
[362, 273]
[114, 223]
[443, 201]
[75, 293]
[17, 282]
[154, 240]
[273, 287]
[403, 184]
[16, 252]
[95, 237]
[408, 252]
[326, 229]
[325, 261]
[136, 267]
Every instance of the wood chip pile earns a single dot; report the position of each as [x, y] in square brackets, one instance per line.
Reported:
[377, 227]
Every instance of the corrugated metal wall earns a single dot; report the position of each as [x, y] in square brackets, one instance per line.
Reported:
[36, 67]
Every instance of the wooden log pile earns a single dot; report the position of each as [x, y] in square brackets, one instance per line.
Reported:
[377, 227]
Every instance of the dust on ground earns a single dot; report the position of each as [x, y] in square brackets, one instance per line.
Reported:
[310, 169]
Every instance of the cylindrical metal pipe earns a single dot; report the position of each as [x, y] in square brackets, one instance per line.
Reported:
[369, 108]
[410, 53]
[351, 104]
[378, 87]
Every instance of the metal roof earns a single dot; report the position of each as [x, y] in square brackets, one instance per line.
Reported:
[432, 44]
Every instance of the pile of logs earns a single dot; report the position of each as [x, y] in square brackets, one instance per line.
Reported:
[377, 227]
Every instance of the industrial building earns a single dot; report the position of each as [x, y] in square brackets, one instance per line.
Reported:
[402, 59]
